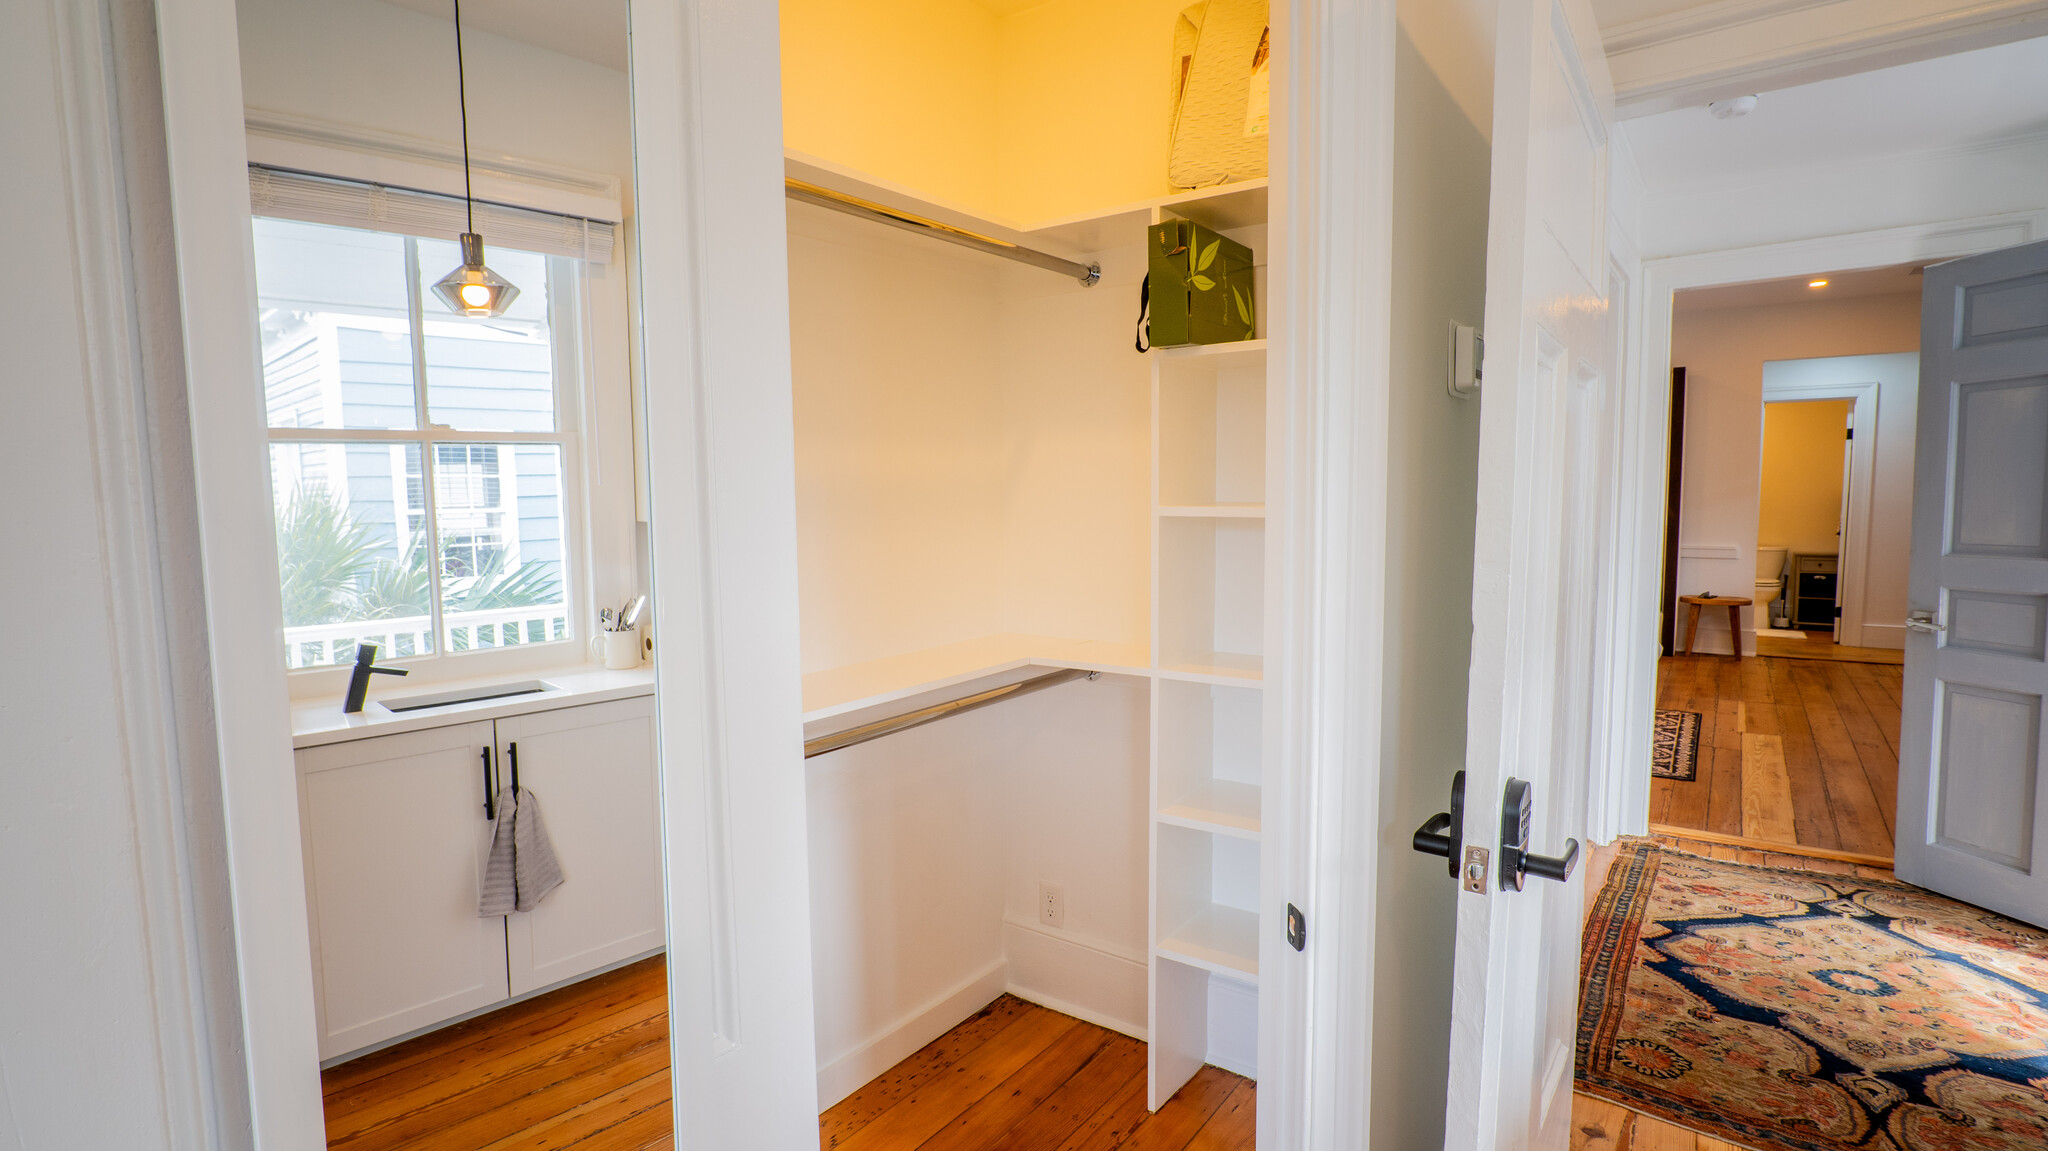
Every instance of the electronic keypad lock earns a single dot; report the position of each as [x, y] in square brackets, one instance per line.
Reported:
[1515, 861]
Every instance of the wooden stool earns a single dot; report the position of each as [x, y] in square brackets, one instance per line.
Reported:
[1734, 604]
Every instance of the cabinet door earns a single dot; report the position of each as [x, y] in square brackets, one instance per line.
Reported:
[395, 840]
[592, 769]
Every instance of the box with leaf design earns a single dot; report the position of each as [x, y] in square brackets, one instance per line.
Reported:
[1201, 286]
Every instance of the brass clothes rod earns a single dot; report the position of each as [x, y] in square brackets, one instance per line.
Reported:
[823, 197]
[938, 711]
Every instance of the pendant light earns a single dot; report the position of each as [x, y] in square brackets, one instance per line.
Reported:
[472, 289]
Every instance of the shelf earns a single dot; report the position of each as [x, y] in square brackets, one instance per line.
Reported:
[1217, 805]
[1246, 511]
[1221, 939]
[1228, 667]
[1225, 207]
[1238, 353]
[843, 690]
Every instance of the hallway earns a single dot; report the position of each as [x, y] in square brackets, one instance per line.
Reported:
[1799, 752]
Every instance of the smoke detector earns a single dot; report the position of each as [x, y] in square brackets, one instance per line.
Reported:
[1731, 108]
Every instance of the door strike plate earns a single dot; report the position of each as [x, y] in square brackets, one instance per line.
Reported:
[1474, 873]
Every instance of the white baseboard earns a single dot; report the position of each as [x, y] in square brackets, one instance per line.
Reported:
[1889, 635]
[842, 1076]
[1089, 979]
[1234, 1025]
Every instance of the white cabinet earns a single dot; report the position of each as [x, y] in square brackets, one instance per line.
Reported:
[396, 834]
[395, 837]
[591, 769]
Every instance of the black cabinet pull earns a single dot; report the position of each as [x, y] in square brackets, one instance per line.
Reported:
[490, 792]
[512, 753]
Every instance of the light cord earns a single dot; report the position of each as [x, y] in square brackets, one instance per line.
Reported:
[462, 100]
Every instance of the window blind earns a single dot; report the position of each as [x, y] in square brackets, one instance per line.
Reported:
[353, 204]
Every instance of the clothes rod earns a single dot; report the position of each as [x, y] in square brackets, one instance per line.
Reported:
[1088, 274]
[937, 711]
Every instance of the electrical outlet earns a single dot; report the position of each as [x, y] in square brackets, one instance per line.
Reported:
[1052, 905]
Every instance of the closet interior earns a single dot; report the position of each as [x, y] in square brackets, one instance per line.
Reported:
[993, 484]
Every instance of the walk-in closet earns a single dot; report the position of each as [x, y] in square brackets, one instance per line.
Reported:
[994, 485]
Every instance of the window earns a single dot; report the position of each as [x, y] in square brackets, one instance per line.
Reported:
[417, 457]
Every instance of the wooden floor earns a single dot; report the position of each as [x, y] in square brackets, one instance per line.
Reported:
[1602, 1125]
[1017, 1077]
[1792, 751]
[583, 1067]
[1822, 645]
[587, 1067]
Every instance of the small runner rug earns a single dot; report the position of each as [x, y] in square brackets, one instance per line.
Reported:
[1675, 748]
[1805, 1011]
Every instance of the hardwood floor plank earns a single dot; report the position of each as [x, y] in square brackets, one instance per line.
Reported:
[606, 1121]
[1014, 1099]
[926, 1111]
[1173, 1127]
[1722, 768]
[1859, 821]
[1877, 753]
[510, 1109]
[534, 1018]
[1810, 812]
[1766, 791]
[1882, 708]
[1084, 1094]
[884, 1091]
[1656, 1135]
[1113, 1122]
[1599, 1125]
[1233, 1125]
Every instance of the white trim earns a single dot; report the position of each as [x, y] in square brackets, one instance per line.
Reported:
[846, 1074]
[1855, 563]
[1738, 47]
[209, 185]
[1328, 389]
[352, 152]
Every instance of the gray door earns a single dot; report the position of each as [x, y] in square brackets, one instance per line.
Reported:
[1972, 824]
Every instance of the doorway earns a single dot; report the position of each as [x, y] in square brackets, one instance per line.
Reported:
[1801, 516]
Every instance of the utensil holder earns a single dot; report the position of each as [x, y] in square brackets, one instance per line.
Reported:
[620, 650]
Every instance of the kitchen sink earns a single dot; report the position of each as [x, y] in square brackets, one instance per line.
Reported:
[477, 694]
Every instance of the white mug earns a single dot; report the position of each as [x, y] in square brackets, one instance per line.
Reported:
[620, 650]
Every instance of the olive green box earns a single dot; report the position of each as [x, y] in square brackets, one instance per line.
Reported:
[1201, 286]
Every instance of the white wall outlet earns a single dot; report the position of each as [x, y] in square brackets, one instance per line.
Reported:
[1052, 905]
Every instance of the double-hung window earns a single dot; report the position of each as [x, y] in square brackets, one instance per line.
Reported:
[421, 462]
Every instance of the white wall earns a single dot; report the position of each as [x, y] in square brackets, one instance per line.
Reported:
[1723, 352]
[1440, 209]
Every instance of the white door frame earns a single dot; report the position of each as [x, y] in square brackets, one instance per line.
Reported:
[704, 85]
[1647, 418]
[1862, 490]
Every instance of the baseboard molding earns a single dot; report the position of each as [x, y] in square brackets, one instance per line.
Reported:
[1089, 979]
[844, 1075]
[1234, 1025]
[1891, 635]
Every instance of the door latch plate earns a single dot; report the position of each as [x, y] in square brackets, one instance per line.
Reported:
[1473, 875]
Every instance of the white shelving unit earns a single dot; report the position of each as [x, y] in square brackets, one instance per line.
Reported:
[1208, 647]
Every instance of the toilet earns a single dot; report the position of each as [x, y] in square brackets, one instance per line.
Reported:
[1770, 580]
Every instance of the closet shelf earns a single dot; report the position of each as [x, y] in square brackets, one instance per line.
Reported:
[1223, 207]
[1238, 353]
[1225, 667]
[841, 690]
[1217, 805]
[1230, 511]
[1221, 939]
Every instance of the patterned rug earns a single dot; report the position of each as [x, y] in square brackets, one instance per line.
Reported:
[1803, 1011]
[1675, 748]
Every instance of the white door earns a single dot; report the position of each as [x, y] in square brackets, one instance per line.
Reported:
[395, 836]
[1545, 455]
[592, 770]
[1972, 823]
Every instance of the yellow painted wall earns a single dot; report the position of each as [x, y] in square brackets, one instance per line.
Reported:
[1057, 109]
[901, 89]
[1801, 504]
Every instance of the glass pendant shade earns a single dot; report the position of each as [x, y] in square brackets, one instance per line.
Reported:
[473, 289]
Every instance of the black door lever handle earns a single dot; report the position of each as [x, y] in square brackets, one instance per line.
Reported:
[1444, 833]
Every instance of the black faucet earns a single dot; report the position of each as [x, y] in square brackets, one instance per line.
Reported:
[359, 680]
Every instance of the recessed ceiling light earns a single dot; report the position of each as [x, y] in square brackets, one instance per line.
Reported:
[1816, 283]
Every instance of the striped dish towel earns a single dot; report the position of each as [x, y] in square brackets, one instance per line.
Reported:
[522, 867]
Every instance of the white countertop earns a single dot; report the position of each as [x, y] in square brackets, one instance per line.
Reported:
[320, 721]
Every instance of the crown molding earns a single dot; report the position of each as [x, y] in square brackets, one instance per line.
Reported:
[1737, 47]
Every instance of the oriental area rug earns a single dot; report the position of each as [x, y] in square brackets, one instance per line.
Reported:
[1675, 745]
[1806, 1011]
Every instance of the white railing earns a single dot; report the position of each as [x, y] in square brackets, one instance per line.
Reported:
[332, 643]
